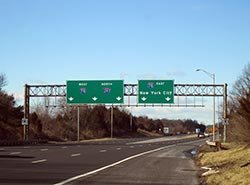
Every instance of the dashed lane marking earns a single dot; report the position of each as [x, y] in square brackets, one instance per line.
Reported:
[39, 161]
[15, 153]
[44, 149]
[75, 155]
[109, 166]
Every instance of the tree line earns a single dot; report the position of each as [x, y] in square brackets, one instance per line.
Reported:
[239, 108]
[95, 121]
[10, 114]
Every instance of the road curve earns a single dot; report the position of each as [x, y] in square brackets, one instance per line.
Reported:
[169, 165]
[55, 163]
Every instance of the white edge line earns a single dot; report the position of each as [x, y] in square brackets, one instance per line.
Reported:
[111, 165]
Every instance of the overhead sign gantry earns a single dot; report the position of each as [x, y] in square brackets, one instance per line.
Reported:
[130, 90]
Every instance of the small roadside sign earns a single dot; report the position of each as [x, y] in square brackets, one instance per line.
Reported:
[25, 121]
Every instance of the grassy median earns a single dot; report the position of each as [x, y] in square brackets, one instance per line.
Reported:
[229, 166]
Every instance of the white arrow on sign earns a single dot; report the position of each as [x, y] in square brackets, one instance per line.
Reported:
[168, 99]
[94, 98]
[118, 98]
[71, 98]
[144, 99]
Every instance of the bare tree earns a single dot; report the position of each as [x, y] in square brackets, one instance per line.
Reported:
[3, 81]
[239, 128]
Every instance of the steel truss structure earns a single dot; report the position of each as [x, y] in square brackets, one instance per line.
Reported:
[131, 90]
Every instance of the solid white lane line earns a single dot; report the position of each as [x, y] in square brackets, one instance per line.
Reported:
[75, 155]
[39, 161]
[111, 165]
[44, 149]
[15, 153]
[102, 151]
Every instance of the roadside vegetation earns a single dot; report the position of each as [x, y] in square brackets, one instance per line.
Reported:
[239, 109]
[10, 114]
[231, 165]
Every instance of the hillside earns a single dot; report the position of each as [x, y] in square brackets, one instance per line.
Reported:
[229, 166]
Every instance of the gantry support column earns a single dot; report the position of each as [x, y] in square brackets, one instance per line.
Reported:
[26, 111]
[225, 112]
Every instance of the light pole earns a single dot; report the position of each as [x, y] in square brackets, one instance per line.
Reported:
[211, 75]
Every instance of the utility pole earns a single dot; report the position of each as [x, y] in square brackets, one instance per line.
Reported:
[111, 121]
[78, 124]
[211, 75]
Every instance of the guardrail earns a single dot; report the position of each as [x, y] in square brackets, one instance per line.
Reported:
[216, 144]
[18, 143]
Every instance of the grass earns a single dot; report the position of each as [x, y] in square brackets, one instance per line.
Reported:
[233, 164]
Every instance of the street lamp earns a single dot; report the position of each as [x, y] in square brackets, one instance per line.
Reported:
[211, 75]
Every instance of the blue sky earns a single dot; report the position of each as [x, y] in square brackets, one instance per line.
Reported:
[51, 41]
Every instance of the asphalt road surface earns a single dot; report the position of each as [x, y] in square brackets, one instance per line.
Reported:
[120, 161]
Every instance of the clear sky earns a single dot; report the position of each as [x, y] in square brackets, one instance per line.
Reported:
[51, 41]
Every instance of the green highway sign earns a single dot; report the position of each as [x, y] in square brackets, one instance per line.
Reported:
[156, 91]
[95, 92]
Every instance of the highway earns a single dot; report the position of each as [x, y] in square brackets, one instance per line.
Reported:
[118, 161]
